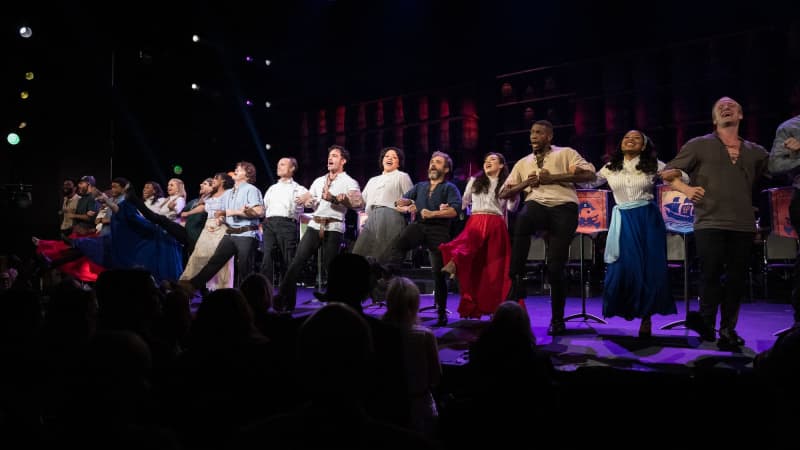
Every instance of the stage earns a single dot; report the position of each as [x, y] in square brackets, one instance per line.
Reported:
[588, 344]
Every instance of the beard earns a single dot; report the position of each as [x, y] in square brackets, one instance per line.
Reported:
[434, 174]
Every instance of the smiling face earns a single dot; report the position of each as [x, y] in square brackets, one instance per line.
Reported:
[492, 165]
[726, 111]
[148, 191]
[632, 142]
[437, 168]
[391, 161]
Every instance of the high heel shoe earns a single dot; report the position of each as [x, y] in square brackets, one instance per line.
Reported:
[645, 328]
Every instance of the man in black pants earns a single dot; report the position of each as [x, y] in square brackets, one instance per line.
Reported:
[723, 168]
[435, 203]
[546, 178]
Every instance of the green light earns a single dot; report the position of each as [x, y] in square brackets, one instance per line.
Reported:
[177, 169]
[13, 138]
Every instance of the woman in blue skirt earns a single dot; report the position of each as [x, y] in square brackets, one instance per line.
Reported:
[636, 283]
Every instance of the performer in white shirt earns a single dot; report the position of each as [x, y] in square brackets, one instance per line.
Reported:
[481, 254]
[384, 222]
[284, 202]
[331, 195]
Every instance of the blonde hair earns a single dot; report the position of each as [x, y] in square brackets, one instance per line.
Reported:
[181, 187]
[402, 302]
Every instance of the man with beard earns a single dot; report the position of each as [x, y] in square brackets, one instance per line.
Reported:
[722, 168]
[86, 208]
[68, 206]
[546, 177]
[435, 203]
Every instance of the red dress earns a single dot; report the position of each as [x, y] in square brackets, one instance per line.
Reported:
[482, 254]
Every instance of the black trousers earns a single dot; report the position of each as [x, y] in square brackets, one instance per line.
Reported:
[429, 236]
[284, 233]
[560, 223]
[243, 248]
[724, 255]
[794, 217]
[331, 242]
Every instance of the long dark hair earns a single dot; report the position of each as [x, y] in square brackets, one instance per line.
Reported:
[482, 182]
[648, 162]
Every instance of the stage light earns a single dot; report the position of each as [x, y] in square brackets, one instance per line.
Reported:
[22, 125]
[248, 58]
[195, 87]
[195, 38]
[177, 170]
[267, 146]
[268, 104]
[24, 95]
[248, 102]
[25, 32]
[13, 138]
[267, 62]
[29, 76]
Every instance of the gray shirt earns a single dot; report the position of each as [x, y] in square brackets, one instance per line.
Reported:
[728, 200]
[781, 159]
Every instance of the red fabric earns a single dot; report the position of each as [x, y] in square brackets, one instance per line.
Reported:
[482, 254]
[82, 268]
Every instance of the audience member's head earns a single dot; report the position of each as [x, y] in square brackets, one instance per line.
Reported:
[335, 350]
[257, 290]
[402, 302]
[349, 280]
[128, 299]
[223, 318]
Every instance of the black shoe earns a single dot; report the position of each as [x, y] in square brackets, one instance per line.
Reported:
[557, 327]
[442, 319]
[696, 323]
[728, 339]
[645, 328]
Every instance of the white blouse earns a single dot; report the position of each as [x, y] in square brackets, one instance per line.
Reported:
[486, 201]
[386, 188]
[174, 213]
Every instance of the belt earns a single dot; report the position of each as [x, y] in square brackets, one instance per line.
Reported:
[240, 230]
[324, 221]
[290, 219]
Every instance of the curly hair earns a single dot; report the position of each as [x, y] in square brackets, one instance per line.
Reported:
[648, 162]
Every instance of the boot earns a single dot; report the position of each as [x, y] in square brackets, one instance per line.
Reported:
[645, 328]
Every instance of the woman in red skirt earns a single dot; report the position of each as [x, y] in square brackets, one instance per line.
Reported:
[480, 255]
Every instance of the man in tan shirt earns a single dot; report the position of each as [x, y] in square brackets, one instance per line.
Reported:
[68, 205]
[545, 178]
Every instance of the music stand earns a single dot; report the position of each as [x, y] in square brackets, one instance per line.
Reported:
[678, 214]
[593, 217]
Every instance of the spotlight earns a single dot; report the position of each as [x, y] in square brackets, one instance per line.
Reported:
[195, 38]
[268, 104]
[195, 87]
[24, 95]
[29, 76]
[267, 62]
[177, 170]
[267, 146]
[12, 138]
[22, 125]
[248, 58]
[248, 102]
[25, 32]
